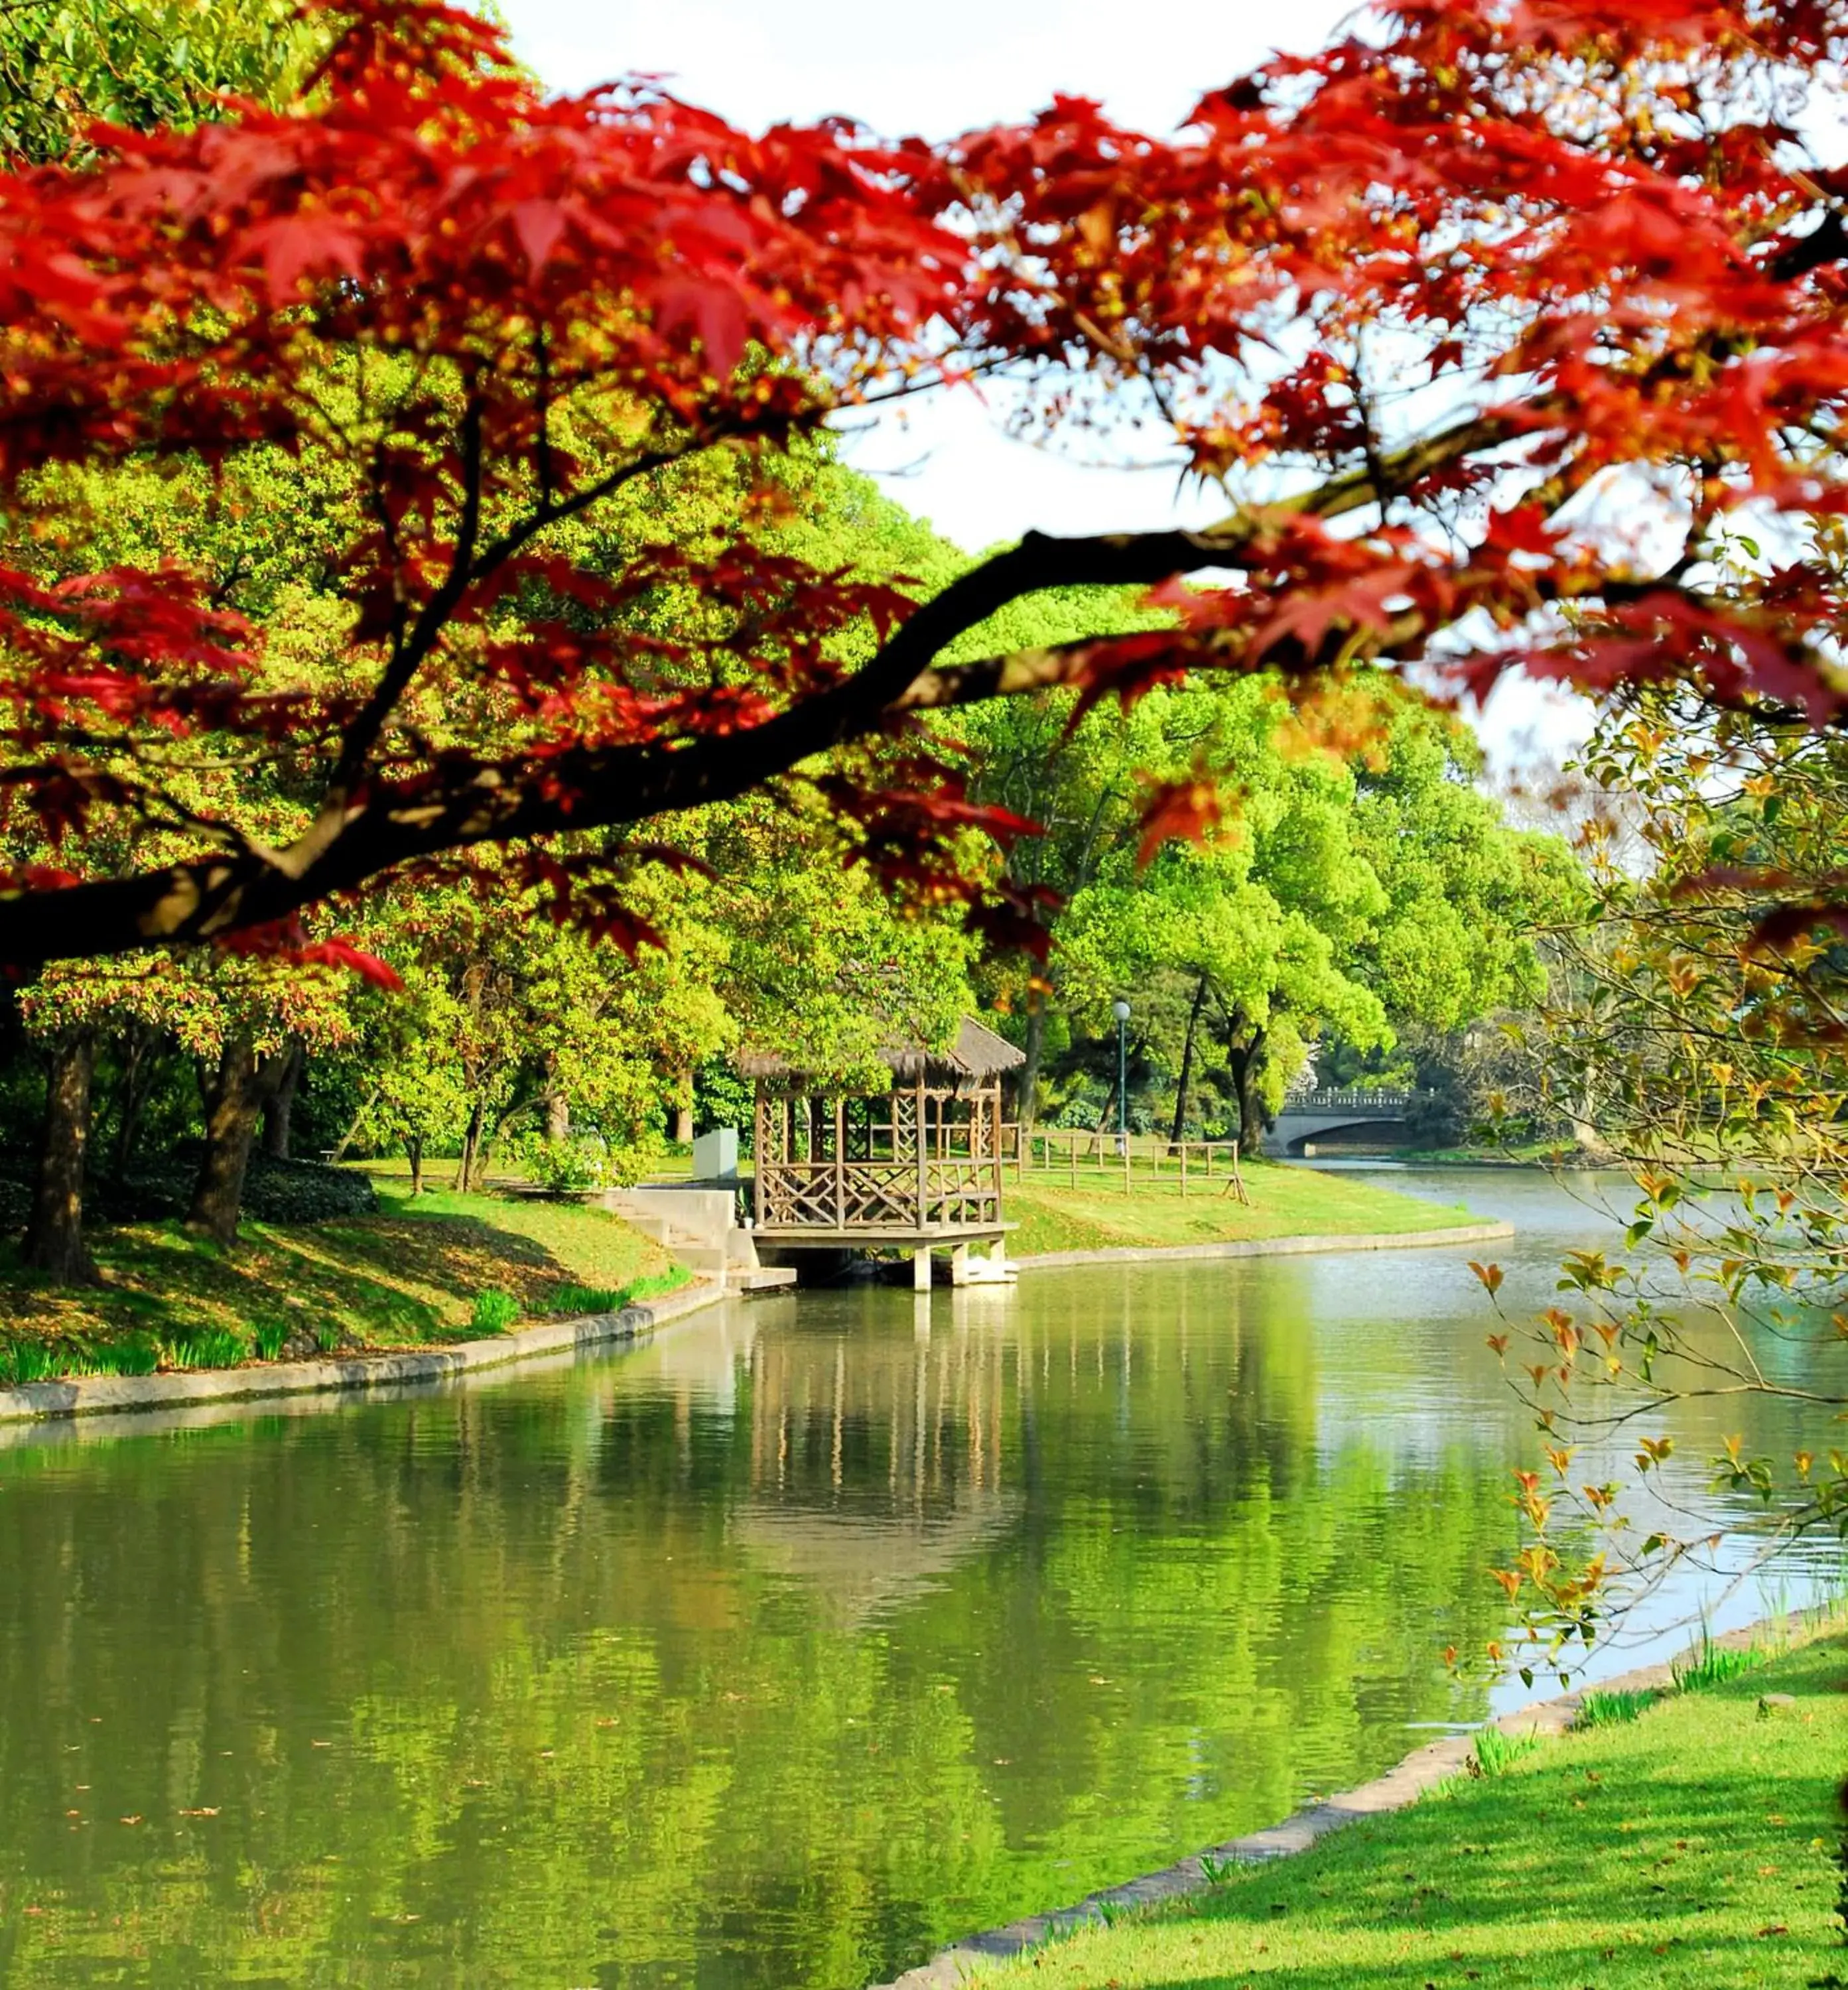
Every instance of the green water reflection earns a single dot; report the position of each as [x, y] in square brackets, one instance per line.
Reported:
[772, 1654]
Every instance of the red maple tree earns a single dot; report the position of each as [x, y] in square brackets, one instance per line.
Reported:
[1446, 309]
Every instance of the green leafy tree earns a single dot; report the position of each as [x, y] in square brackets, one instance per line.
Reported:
[1703, 1026]
[1344, 882]
[142, 63]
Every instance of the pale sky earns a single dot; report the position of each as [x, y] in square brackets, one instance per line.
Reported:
[937, 72]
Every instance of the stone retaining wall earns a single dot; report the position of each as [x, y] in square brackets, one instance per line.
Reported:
[98, 1395]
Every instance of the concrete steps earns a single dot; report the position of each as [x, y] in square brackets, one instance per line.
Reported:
[700, 1227]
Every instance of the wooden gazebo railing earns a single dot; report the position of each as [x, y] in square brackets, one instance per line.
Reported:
[921, 1158]
[924, 1156]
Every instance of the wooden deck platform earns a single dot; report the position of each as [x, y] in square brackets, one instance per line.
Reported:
[874, 1236]
[916, 1241]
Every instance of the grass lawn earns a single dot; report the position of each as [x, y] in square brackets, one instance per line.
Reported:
[1097, 1215]
[1696, 1847]
[412, 1275]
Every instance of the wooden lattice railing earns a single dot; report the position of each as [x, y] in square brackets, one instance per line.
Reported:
[877, 1194]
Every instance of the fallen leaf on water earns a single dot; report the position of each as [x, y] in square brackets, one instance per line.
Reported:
[204, 1810]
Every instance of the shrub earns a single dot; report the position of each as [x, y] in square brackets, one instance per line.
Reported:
[304, 1192]
[567, 1167]
[133, 1354]
[1613, 1710]
[1497, 1753]
[1709, 1664]
[656, 1283]
[28, 1361]
[207, 1347]
[160, 1186]
[494, 1312]
[269, 1335]
[574, 1299]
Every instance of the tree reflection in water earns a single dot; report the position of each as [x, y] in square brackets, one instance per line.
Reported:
[773, 1653]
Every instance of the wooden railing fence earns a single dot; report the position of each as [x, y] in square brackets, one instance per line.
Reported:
[1078, 1152]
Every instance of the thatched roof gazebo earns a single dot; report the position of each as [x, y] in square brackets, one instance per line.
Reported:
[915, 1165]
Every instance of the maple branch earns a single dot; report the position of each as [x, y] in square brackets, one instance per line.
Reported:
[410, 648]
[1824, 244]
[588, 788]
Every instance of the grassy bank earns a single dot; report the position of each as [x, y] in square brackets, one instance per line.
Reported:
[1694, 1846]
[1098, 1215]
[415, 1275]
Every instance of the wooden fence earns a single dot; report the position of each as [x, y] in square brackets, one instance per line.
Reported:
[1078, 1155]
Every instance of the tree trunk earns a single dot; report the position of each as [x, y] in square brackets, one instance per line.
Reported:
[280, 1103]
[555, 1105]
[472, 1146]
[1107, 1119]
[1246, 1060]
[139, 1045]
[352, 1131]
[54, 1233]
[1178, 1132]
[1026, 1111]
[235, 1095]
[683, 1109]
[413, 1152]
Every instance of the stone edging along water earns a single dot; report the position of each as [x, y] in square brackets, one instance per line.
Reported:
[96, 1395]
[1398, 1789]
[1269, 1247]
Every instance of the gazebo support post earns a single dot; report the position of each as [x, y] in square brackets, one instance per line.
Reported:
[920, 1270]
[923, 1161]
[760, 1160]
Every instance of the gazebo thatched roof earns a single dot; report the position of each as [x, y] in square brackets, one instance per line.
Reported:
[977, 1054]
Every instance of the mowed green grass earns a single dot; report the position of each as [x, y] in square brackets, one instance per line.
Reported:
[407, 1277]
[1097, 1215]
[1695, 1848]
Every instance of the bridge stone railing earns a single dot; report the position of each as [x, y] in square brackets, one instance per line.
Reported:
[1377, 1104]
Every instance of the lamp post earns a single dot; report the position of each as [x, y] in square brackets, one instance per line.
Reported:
[1120, 1010]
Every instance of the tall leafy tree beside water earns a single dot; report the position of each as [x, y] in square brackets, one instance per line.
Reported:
[1703, 1026]
[1344, 881]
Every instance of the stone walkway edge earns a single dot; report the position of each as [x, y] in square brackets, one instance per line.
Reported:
[1398, 1789]
[1269, 1247]
[96, 1395]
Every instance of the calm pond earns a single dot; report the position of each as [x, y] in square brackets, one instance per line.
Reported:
[772, 1654]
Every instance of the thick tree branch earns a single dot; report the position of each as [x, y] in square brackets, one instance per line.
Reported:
[594, 788]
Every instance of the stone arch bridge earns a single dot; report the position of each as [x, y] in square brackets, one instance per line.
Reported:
[1310, 1116]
